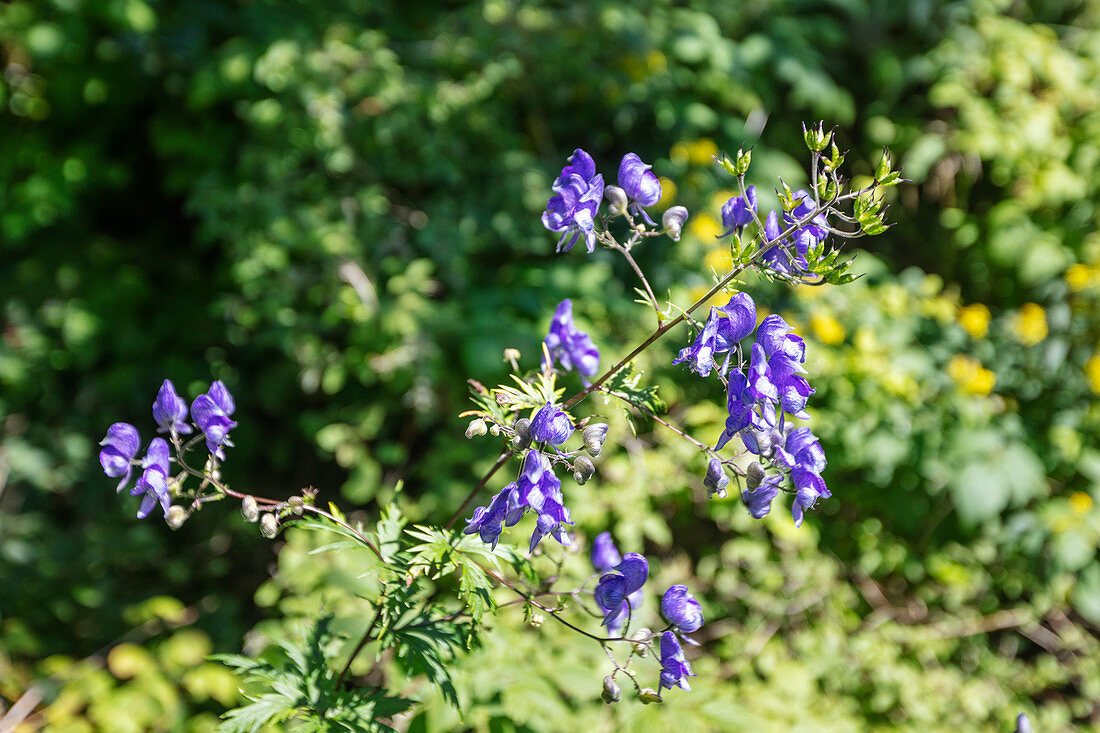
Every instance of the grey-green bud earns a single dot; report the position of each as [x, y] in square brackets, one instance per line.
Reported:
[616, 200]
[523, 434]
[269, 525]
[176, 516]
[642, 635]
[249, 510]
[649, 695]
[583, 470]
[594, 437]
[611, 690]
[476, 427]
[754, 475]
[494, 430]
[673, 221]
[296, 503]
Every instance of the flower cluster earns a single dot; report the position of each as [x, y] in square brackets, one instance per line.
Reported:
[685, 615]
[579, 191]
[209, 412]
[758, 402]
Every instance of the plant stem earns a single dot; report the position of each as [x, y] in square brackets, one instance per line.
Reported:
[359, 647]
[501, 460]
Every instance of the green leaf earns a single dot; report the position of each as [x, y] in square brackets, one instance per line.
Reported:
[624, 384]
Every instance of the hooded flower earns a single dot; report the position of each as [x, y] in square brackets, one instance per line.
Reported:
[779, 255]
[738, 211]
[640, 184]
[503, 510]
[539, 489]
[551, 425]
[572, 209]
[681, 609]
[211, 413]
[759, 500]
[716, 479]
[120, 447]
[741, 406]
[674, 667]
[170, 411]
[619, 590]
[570, 346]
[724, 328]
[154, 480]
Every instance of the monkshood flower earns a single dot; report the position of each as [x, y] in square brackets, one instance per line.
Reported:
[1023, 724]
[539, 489]
[812, 232]
[604, 553]
[503, 510]
[810, 487]
[640, 184]
[578, 191]
[619, 590]
[170, 411]
[742, 408]
[738, 211]
[759, 500]
[673, 221]
[551, 425]
[802, 450]
[211, 413]
[154, 480]
[569, 346]
[120, 448]
[674, 667]
[724, 328]
[775, 374]
[681, 609]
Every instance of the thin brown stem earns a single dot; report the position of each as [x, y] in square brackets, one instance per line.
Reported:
[358, 648]
[501, 460]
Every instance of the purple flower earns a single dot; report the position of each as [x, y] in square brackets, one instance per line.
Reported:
[775, 374]
[812, 232]
[681, 609]
[802, 450]
[741, 406]
[570, 346]
[1023, 724]
[170, 411]
[810, 487]
[120, 447]
[503, 510]
[738, 211]
[640, 184]
[572, 209]
[674, 667]
[551, 425]
[154, 480]
[613, 592]
[759, 500]
[211, 413]
[540, 489]
[604, 553]
[724, 328]
[774, 335]
[779, 255]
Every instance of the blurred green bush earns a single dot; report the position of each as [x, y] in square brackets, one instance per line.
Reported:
[333, 206]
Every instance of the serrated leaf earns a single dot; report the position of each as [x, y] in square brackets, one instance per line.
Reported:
[625, 386]
[263, 710]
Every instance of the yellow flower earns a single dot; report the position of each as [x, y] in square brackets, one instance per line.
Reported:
[718, 259]
[970, 375]
[705, 228]
[1092, 373]
[1077, 277]
[1080, 502]
[827, 329]
[668, 195]
[701, 151]
[1030, 324]
[974, 319]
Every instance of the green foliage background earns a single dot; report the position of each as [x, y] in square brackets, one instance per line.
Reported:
[333, 206]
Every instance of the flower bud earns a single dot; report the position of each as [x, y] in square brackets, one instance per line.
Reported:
[816, 138]
[642, 635]
[593, 437]
[269, 525]
[884, 166]
[176, 516]
[616, 200]
[583, 470]
[512, 356]
[673, 221]
[249, 510]
[494, 430]
[611, 690]
[296, 503]
[716, 479]
[523, 434]
[741, 165]
[648, 695]
[754, 474]
[476, 427]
